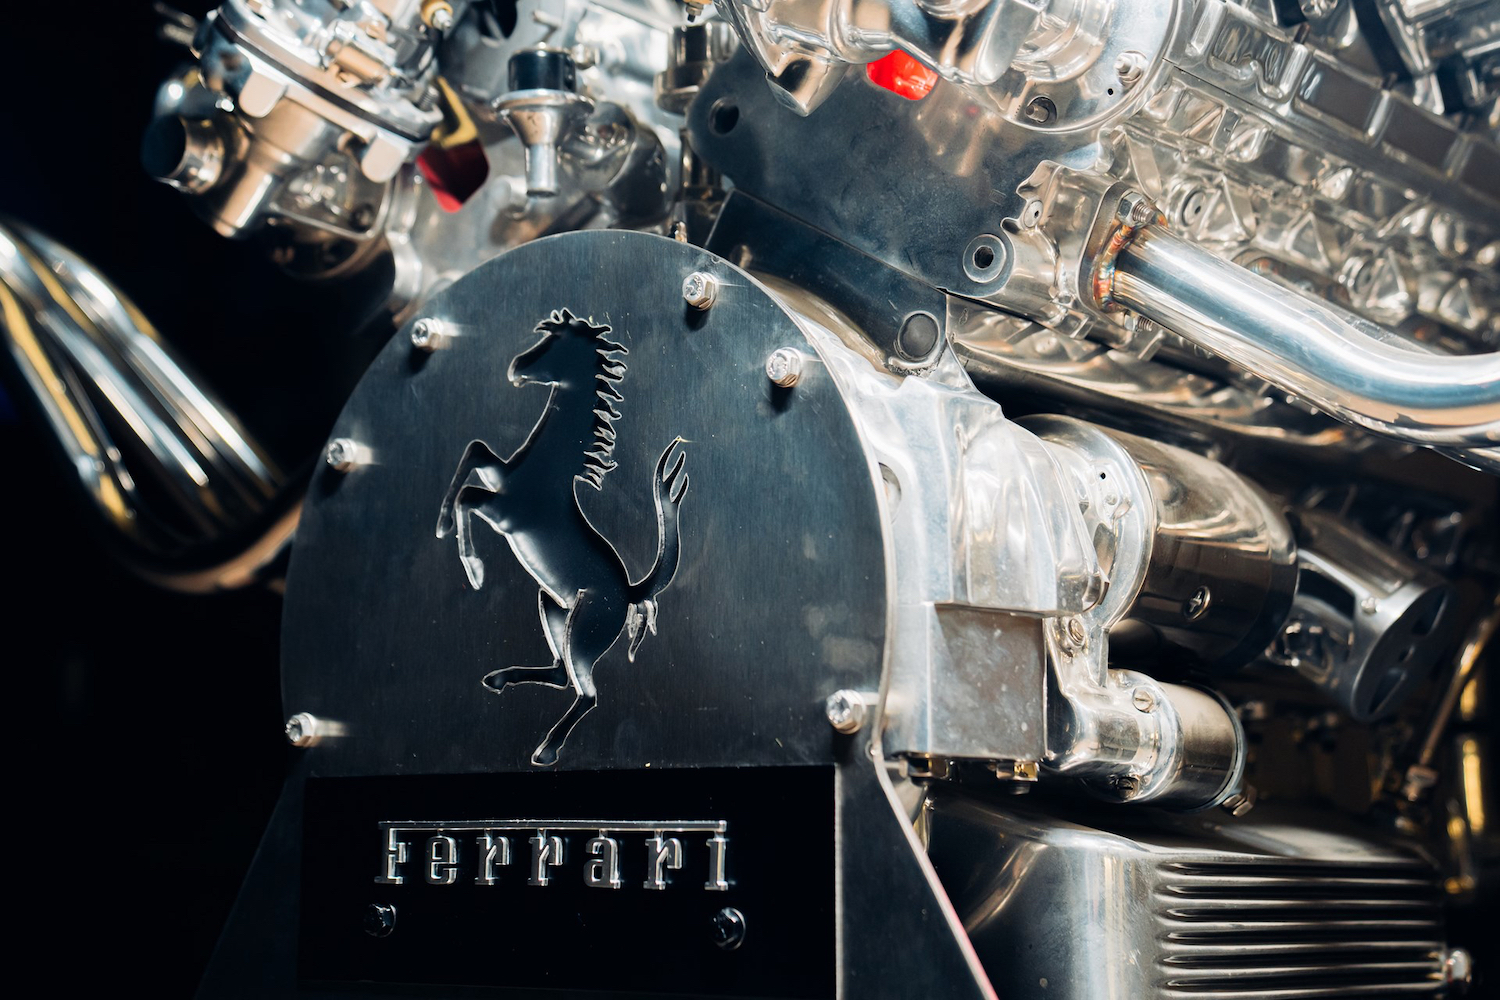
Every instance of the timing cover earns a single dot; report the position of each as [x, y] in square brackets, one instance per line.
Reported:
[780, 594]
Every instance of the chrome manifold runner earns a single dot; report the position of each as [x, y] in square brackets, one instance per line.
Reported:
[1073, 398]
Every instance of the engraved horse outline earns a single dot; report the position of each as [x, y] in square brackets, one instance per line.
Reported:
[587, 598]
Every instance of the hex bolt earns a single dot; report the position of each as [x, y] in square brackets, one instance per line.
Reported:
[302, 730]
[729, 928]
[784, 366]
[1135, 209]
[700, 290]
[1143, 700]
[1196, 606]
[845, 710]
[344, 454]
[380, 919]
[428, 334]
[1369, 605]
[1131, 66]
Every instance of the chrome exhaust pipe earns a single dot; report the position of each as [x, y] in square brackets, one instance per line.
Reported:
[124, 411]
[1346, 366]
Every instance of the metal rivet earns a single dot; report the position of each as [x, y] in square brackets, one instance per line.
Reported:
[700, 290]
[784, 366]
[380, 919]
[729, 928]
[845, 710]
[1196, 606]
[1143, 700]
[302, 730]
[428, 334]
[343, 454]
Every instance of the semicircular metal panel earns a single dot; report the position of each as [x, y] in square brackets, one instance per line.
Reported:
[587, 531]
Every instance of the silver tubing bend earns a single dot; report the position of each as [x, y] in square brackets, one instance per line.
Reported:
[1347, 366]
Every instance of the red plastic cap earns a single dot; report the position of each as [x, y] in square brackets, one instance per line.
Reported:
[454, 174]
[901, 74]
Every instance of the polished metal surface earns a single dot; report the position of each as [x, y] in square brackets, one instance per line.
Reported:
[1126, 735]
[1367, 626]
[1332, 188]
[1269, 907]
[1338, 362]
[745, 644]
[957, 400]
[125, 412]
[1222, 569]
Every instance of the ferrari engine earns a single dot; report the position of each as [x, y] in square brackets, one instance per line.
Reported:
[864, 498]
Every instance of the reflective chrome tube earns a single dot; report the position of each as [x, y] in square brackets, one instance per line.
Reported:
[125, 412]
[1347, 366]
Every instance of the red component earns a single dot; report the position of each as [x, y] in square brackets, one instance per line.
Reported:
[901, 74]
[454, 173]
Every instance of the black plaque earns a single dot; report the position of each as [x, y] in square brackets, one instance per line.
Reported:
[779, 865]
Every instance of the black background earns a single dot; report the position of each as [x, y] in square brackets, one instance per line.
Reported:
[149, 750]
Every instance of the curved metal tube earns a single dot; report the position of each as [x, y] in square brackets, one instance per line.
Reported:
[1347, 366]
[126, 413]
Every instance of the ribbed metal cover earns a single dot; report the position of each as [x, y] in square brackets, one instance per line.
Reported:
[1262, 908]
[1292, 928]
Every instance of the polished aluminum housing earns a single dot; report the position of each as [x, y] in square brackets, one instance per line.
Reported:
[1271, 908]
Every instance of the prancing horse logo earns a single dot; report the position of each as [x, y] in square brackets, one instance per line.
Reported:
[587, 598]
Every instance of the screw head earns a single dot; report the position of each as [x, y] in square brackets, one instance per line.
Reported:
[1126, 786]
[784, 366]
[1076, 632]
[380, 919]
[700, 290]
[845, 710]
[428, 334]
[1196, 606]
[1143, 700]
[729, 928]
[302, 730]
[342, 454]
